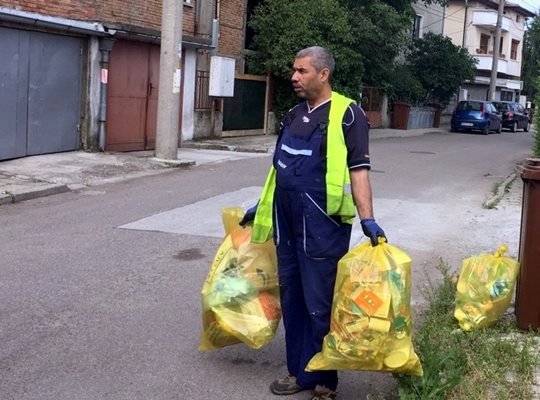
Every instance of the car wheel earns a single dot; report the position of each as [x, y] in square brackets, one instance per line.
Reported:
[452, 129]
[513, 128]
[527, 127]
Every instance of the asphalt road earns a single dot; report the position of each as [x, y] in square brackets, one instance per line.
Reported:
[91, 308]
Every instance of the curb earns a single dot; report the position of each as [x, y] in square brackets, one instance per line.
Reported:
[225, 147]
[501, 191]
[26, 193]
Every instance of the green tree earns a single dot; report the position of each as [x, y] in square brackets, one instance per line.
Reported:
[440, 66]
[405, 87]
[381, 30]
[530, 67]
[365, 37]
[283, 27]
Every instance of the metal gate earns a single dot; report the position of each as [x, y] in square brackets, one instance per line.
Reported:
[246, 110]
[40, 100]
[132, 96]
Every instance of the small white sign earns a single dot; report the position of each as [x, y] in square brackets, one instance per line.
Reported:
[177, 80]
[221, 77]
[104, 76]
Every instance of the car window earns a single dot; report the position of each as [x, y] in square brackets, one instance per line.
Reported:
[469, 106]
[521, 109]
[501, 107]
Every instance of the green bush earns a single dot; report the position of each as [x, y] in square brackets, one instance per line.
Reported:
[405, 86]
[498, 362]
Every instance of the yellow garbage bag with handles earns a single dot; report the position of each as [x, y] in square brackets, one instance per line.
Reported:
[484, 289]
[240, 296]
[371, 325]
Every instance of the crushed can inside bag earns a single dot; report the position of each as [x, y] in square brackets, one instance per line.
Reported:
[484, 289]
[371, 325]
[240, 296]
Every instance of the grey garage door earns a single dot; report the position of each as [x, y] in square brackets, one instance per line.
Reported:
[40, 93]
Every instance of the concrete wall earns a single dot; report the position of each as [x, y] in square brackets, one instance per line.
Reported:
[188, 100]
[432, 18]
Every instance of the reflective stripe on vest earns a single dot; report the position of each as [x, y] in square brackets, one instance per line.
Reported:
[339, 200]
[262, 225]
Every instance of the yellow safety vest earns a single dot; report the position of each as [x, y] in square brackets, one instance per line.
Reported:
[339, 200]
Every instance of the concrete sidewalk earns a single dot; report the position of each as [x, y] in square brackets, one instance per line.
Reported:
[43, 175]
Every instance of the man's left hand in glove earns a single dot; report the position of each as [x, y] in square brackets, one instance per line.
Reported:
[372, 230]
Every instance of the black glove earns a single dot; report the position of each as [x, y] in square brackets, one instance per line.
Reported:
[372, 231]
[249, 216]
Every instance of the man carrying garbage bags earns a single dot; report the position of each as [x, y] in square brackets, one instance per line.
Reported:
[318, 180]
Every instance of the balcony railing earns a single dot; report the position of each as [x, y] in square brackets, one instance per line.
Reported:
[488, 19]
[485, 62]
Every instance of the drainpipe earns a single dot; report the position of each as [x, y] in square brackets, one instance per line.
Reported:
[105, 46]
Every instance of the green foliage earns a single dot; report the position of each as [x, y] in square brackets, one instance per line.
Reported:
[440, 66]
[404, 86]
[365, 37]
[536, 136]
[493, 363]
[284, 27]
[381, 30]
[530, 67]
[443, 362]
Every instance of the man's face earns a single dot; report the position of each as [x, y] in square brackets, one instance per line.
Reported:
[307, 82]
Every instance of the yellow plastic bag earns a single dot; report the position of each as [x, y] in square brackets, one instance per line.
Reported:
[484, 289]
[240, 296]
[371, 325]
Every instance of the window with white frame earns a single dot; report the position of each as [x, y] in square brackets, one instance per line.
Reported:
[417, 27]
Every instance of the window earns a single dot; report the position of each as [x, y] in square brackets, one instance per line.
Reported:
[501, 48]
[507, 96]
[484, 43]
[518, 18]
[417, 27]
[514, 49]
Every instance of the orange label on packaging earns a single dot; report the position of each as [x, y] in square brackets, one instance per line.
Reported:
[368, 301]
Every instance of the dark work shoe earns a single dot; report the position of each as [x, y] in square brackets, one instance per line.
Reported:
[323, 393]
[285, 386]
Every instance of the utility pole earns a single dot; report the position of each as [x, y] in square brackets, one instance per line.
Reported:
[464, 42]
[496, 47]
[443, 17]
[170, 74]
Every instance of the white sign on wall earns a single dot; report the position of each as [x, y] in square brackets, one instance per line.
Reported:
[221, 77]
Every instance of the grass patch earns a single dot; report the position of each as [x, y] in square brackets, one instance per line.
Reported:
[493, 363]
[497, 196]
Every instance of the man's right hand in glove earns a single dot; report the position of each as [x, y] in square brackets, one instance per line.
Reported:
[249, 216]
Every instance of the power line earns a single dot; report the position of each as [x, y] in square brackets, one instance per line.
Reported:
[447, 17]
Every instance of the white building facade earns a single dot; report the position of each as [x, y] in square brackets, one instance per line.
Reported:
[472, 24]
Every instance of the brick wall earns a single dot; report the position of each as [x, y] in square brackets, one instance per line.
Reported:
[145, 14]
[231, 28]
[81, 10]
